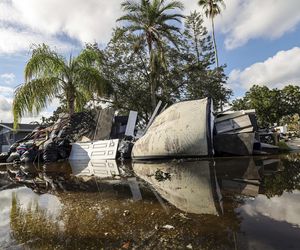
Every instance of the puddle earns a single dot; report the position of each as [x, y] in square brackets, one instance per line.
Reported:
[225, 203]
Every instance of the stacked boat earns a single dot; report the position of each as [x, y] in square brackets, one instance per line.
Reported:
[190, 129]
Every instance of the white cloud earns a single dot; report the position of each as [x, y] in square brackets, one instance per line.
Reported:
[243, 20]
[252, 19]
[8, 77]
[93, 20]
[6, 91]
[275, 72]
[5, 109]
[15, 40]
[85, 20]
[36, 21]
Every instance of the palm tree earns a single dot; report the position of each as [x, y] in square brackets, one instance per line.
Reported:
[152, 22]
[48, 74]
[212, 8]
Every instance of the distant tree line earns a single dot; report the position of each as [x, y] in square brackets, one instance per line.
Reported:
[272, 105]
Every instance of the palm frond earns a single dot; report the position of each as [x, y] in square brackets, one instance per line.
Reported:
[92, 80]
[89, 56]
[43, 63]
[212, 8]
[172, 6]
[81, 98]
[170, 17]
[33, 96]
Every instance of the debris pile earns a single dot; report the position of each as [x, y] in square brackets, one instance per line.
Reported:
[53, 143]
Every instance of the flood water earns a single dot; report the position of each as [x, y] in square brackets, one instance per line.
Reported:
[225, 203]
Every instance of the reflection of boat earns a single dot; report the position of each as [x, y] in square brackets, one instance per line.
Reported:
[190, 186]
[182, 130]
[238, 175]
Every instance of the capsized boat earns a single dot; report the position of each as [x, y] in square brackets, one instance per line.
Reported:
[185, 129]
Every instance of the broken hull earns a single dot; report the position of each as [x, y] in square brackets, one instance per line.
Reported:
[182, 130]
[95, 150]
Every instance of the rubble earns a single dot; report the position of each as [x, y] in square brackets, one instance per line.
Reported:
[53, 143]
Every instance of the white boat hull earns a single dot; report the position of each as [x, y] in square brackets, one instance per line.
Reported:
[182, 130]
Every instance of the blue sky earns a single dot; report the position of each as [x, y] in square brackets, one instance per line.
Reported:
[258, 40]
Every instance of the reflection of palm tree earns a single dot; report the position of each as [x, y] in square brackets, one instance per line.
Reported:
[150, 19]
[212, 8]
[48, 74]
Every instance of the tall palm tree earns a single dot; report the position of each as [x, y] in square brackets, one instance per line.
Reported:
[212, 8]
[152, 21]
[48, 74]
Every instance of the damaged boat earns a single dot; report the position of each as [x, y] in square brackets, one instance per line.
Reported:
[183, 130]
[191, 129]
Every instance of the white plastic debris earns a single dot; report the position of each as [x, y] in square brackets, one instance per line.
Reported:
[189, 246]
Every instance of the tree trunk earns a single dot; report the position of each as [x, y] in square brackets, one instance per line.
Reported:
[71, 102]
[152, 78]
[216, 53]
[214, 41]
[153, 93]
[196, 43]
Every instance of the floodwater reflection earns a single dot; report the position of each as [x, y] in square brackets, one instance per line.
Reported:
[191, 187]
[225, 203]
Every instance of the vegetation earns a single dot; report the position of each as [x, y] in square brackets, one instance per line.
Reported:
[271, 105]
[213, 8]
[47, 74]
[150, 58]
[150, 21]
[285, 180]
[187, 72]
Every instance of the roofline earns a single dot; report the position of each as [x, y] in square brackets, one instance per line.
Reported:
[20, 130]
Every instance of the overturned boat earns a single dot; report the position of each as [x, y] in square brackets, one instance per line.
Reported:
[183, 130]
[191, 129]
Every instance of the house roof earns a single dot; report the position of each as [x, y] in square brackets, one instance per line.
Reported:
[22, 126]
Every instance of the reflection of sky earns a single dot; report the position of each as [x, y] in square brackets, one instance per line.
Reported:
[271, 223]
[281, 208]
[26, 197]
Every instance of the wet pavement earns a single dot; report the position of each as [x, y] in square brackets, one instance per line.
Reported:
[225, 203]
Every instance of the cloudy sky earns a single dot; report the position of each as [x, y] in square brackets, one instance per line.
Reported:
[258, 40]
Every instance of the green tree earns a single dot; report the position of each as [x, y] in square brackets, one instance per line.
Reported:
[271, 105]
[212, 8]
[128, 72]
[266, 102]
[152, 21]
[48, 74]
[290, 95]
[187, 73]
[202, 80]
